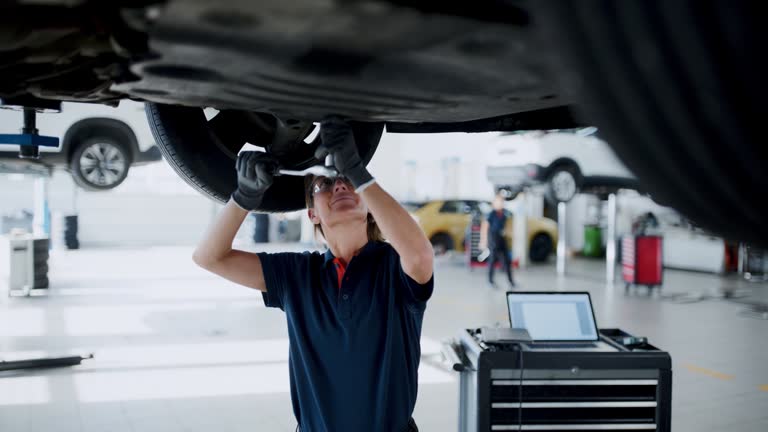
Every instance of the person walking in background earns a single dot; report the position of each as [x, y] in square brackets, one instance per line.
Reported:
[492, 238]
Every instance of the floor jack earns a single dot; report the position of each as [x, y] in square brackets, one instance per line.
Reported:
[29, 143]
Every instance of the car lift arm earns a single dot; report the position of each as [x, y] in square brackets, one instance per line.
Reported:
[28, 140]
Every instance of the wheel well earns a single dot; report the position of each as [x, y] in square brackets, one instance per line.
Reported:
[508, 192]
[443, 235]
[563, 162]
[99, 127]
[536, 257]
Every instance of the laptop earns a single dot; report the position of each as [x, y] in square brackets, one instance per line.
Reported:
[556, 321]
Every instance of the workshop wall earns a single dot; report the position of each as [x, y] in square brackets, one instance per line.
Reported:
[150, 208]
[417, 167]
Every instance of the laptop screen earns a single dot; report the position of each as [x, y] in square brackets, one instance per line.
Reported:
[559, 316]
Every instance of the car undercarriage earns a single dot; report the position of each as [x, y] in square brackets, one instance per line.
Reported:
[669, 85]
[299, 60]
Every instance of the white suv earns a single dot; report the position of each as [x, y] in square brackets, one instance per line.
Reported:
[97, 143]
[565, 163]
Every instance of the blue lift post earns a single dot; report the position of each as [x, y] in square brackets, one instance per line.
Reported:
[28, 140]
[29, 143]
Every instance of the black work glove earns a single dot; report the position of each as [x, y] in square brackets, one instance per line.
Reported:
[339, 141]
[255, 171]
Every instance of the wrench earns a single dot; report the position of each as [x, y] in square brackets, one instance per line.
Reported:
[318, 170]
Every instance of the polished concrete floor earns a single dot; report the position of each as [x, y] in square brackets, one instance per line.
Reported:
[177, 349]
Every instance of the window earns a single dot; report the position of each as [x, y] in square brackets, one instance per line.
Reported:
[452, 207]
[413, 206]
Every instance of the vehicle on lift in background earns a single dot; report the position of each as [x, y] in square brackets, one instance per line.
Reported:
[686, 246]
[674, 87]
[98, 144]
[445, 223]
[564, 163]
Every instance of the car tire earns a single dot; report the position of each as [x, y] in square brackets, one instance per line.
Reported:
[100, 163]
[509, 193]
[71, 226]
[203, 151]
[260, 228]
[540, 247]
[563, 183]
[41, 282]
[72, 243]
[41, 246]
[441, 243]
[675, 91]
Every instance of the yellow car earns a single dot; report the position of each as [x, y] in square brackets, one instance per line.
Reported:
[445, 223]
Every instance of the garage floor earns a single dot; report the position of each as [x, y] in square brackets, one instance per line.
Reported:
[177, 349]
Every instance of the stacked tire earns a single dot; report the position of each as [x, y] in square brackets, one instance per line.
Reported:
[260, 228]
[40, 256]
[70, 232]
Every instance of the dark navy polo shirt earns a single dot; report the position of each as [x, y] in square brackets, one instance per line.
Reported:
[496, 223]
[354, 349]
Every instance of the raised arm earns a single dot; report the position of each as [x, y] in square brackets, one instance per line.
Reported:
[214, 252]
[405, 235]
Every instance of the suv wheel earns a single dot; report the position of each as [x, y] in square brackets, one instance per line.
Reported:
[508, 192]
[541, 247]
[100, 163]
[203, 150]
[562, 184]
[441, 243]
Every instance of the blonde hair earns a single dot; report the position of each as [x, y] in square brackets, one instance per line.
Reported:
[372, 229]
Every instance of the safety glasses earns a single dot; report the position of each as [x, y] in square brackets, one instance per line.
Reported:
[325, 184]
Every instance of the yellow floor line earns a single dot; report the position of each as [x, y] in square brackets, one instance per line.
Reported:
[707, 372]
[764, 388]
